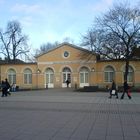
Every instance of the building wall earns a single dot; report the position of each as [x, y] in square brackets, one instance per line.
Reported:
[55, 59]
[77, 59]
[19, 68]
[119, 67]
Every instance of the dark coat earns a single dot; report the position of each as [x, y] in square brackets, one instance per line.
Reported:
[113, 87]
[125, 86]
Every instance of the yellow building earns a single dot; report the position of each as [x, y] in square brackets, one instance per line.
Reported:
[68, 61]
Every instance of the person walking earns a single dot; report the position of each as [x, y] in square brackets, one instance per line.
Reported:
[113, 89]
[126, 89]
[3, 86]
[7, 87]
[67, 82]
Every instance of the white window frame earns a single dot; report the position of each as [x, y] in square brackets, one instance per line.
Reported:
[49, 75]
[109, 74]
[84, 76]
[66, 75]
[27, 76]
[130, 76]
[12, 76]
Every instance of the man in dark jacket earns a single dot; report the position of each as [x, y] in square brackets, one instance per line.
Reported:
[67, 82]
[3, 86]
[7, 87]
[125, 90]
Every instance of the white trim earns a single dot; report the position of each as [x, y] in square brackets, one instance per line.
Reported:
[66, 62]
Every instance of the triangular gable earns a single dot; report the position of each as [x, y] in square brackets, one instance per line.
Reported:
[67, 44]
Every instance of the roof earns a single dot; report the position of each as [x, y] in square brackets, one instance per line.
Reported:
[69, 44]
[116, 60]
[17, 61]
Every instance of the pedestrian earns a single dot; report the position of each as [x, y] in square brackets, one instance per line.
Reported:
[7, 87]
[13, 87]
[67, 82]
[3, 86]
[113, 90]
[126, 89]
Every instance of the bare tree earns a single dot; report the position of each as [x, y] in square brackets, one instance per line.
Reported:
[12, 42]
[116, 33]
[68, 40]
[136, 52]
[45, 48]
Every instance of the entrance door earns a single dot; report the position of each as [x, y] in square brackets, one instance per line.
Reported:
[49, 78]
[66, 75]
[84, 77]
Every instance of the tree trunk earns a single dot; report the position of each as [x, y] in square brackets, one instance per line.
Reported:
[126, 69]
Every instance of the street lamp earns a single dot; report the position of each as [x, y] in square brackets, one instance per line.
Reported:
[38, 71]
[92, 69]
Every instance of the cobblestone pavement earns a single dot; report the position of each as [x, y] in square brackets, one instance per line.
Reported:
[63, 114]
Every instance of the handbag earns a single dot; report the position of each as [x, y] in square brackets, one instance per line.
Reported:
[113, 92]
[129, 92]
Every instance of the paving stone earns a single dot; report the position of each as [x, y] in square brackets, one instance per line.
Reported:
[63, 114]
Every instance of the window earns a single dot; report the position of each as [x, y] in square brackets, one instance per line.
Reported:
[130, 75]
[66, 74]
[27, 76]
[109, 74]
[66, 54]
[84, 75]
[12, 76]
[49, 75]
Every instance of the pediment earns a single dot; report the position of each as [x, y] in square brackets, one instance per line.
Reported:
[67, 52]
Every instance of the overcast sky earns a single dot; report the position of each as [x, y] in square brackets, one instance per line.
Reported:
[53, 20]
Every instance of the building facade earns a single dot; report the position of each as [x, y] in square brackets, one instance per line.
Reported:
[69, 62]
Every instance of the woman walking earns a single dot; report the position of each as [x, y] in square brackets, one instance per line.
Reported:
[113, 90]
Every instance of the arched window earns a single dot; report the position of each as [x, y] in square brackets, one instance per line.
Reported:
[27, 76]
[84, 75]
[130, 76]
[109, 74]
[66, 74]
[12, 76]
[49, 75]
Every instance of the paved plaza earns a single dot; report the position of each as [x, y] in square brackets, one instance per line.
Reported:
[64, 114]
